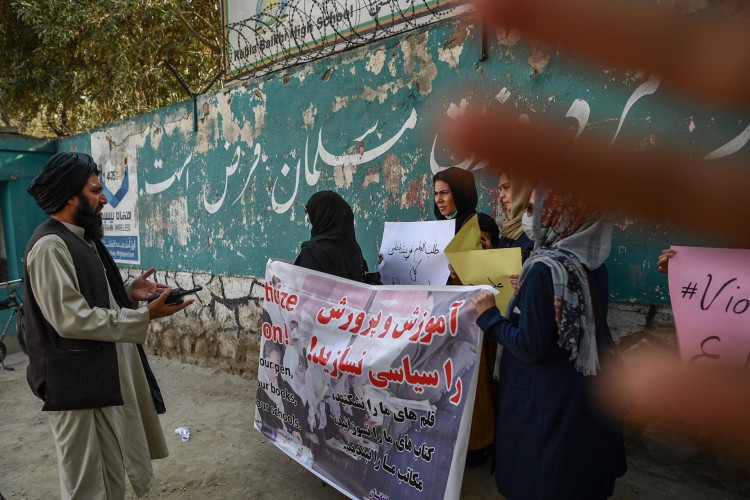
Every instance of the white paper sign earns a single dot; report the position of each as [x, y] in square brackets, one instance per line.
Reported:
[413, 252]
[117, 161]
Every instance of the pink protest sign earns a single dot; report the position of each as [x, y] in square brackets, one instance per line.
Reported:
[710, 293]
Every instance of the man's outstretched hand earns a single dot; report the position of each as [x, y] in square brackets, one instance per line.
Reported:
[158, 309]
[143, 288]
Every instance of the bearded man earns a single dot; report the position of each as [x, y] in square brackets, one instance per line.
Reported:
[86, 360]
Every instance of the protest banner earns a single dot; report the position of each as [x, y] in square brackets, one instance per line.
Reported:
[369, 387]
[710, 293]
[413, 252]
[475, 266]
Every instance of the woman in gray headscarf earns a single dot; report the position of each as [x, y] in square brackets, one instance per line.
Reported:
[551, 438]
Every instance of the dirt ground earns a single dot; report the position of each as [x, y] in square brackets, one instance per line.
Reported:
[227, 458]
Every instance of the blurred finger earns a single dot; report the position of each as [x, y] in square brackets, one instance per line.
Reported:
[708, 57]
[612, 177]
[147, 273]
[712, 402]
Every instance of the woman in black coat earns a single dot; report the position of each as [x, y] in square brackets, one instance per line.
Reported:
[456, 198]
[332, 247]
[552, 439]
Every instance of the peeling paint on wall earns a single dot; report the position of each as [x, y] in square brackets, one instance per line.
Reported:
[508, 38]
[454, 111]
[503, 95]
[375, 62]
[417, 193]
[308, 117]
[393, 173]
[343, 175]
[418, 62]
[303, 72]
[339, 103]
[451, 51]
[381, 93]
[217, 202]
[538, 59]
[373, 176]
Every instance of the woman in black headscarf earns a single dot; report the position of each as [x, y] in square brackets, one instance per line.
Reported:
[333, 247]
[489, 232]
[455, 195]
[456, 198]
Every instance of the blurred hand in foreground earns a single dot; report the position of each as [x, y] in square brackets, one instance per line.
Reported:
[663, 262]
[705, 58]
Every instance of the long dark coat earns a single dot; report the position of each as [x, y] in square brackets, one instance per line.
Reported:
[552, 440]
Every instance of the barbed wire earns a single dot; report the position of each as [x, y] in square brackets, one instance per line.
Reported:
[285, 33]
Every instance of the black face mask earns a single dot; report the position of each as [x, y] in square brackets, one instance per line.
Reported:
[86, 218]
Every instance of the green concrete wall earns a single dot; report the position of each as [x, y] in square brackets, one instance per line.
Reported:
[223, 197]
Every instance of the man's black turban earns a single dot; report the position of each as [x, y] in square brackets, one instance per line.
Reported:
[63, 177]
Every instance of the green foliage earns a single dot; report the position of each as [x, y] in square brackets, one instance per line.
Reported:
[68, 66]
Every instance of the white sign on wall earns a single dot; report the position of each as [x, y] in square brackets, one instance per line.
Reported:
[118, 175]
[276, 33]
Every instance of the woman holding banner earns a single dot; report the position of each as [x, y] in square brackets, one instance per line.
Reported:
[332, 247]
[552, 440]
[456, 198]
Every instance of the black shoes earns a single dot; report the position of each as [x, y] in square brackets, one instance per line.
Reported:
[476, 458]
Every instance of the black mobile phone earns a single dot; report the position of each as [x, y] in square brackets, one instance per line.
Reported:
[176, 296]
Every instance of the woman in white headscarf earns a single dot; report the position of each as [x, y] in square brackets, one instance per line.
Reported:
[552, 440]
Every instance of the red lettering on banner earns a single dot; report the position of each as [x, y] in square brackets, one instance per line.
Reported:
[456, 398]
[404, 373]
[418, 380]
[386, 327]
[334, 313]
[382, 379]
[448, 369]
[285, 300]
[275, 333]
[340, 363]
[420, 327]
[372, 325]
[358, 323]
[455, 307]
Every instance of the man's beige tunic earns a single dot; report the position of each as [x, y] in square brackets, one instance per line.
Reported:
[100, 441]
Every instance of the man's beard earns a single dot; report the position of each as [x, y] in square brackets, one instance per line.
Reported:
[87, 218]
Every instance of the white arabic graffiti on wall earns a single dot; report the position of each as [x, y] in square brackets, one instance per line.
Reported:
[579, 110]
